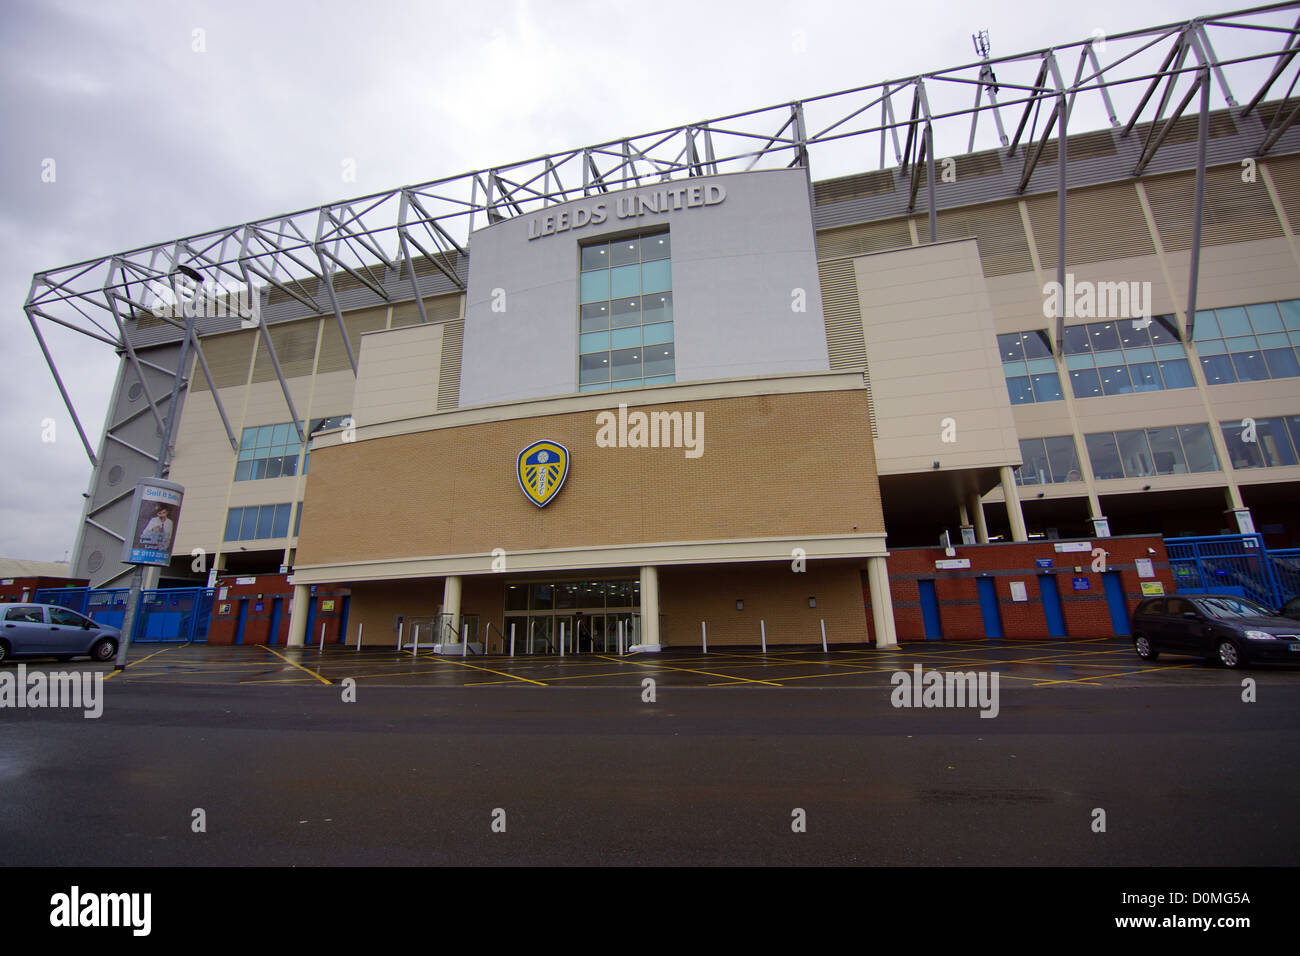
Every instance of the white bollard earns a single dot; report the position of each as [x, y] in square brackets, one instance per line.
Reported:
[823, 635]
[322, 636]
[401, 624]
[464, 638]
[704, 635]
[762, 629]
[415, 635]
[620, 638]
[561, 638]
[360, 624]
[512, 636]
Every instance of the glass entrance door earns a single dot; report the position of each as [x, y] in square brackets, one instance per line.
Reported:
[589, 610]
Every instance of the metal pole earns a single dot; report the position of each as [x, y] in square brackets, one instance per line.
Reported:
[561, 638]
[1199, 208]
[620, 638]
[512, 638]
[399, 636]
[360, 624]
[823, 635]
[704, 636]
[762, 629]
[322, 637]
[128, 617]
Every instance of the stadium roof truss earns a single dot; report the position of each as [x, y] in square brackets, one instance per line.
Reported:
[1150, 76]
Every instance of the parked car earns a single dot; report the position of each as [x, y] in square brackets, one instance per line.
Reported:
[1222, 628]
[47, 630]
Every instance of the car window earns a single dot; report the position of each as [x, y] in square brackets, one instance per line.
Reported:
[1148, 608]
[1178, 606]
[31, 614]
[65, 617]
[1227, 607]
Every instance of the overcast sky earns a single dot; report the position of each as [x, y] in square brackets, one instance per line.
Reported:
[153, 139]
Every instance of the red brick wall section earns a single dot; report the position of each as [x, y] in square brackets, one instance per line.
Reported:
[264, 589]
[1086, 612]
[13, 593]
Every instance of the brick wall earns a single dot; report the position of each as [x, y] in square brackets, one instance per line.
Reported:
[264, 590]
[773, 465]
[1086, 612]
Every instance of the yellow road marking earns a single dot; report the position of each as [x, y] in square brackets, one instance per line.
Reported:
[307, 670]
[688, 670]
[1095, 677]
[140, 661]
[448, 660]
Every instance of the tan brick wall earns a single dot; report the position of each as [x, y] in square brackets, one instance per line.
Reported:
[773, 466]
[774, 594]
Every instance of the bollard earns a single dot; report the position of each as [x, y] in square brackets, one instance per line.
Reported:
[704, 635]
[561, 638]
[620, 638]
[401, 624]
[823, 635]
[360, 624]
[322, 637]
[512, 636]
[762, 628]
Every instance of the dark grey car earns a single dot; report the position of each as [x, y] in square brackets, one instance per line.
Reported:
[1223, 628]
[47, 630]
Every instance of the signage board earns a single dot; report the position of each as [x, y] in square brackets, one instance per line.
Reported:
[151, 527]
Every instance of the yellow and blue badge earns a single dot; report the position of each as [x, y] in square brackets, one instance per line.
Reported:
[542, 468]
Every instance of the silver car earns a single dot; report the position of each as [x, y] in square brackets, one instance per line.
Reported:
[47, 630]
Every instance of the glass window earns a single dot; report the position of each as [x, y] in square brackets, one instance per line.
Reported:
[1104, 336]
[1265, 317]
[1010, 347]
[268, 451]
[625, 284]
[248, 528]
[1166, 451]
[1047, 388]
[1020, 390]
[1176, 374]
[1036, 344]
[233, 517]
[1035, 470]
[297, 520]
[1146, 377]
[1241, 453]
[659, 360]
[1164, 331]
[1198, 447]
[1218, 369]
[1233, 322]
[1076, 340]
[1115, 380]
[1207, 326]
[1290, 313]
[1103, 452]
[281, 527]
[1085, 382]
[1135, 453]
[65, 618]
[1064, 458]
[1274, 443]
[1250, 365]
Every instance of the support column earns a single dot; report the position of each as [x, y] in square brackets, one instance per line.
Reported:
[298, 616]
[976, 507]
[649, 610]
[882, 603]
[1014, 514]
[967, 529]
[450, 610]
[1245, 520]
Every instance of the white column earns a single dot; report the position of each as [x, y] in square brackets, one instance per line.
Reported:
[882, 604]
[976, 507]
[649, 609]
[1014, 514]
[451, 605]
[298, 616]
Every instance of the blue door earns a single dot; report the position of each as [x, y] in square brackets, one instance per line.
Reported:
[275, 621]
[930, 611]
[1052, 605]
[311, 637]
[1115, 601]
[243, 619]
[343, 621]
[989, 607]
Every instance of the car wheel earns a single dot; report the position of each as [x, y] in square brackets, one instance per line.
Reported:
[103, 650]
[1145, 650]
[4, 650]
[1228, 654]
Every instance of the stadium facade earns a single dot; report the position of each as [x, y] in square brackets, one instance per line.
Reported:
[676, 379]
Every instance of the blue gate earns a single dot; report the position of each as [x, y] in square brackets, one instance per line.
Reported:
[165, 615]
[1239, 564]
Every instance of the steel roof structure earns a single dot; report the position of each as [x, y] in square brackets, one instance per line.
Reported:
[1141, 82]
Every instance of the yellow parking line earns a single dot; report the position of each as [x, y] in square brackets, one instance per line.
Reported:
[448, 660]
[287, 661]
[1095, 677]
[689, 670]
[134, 663]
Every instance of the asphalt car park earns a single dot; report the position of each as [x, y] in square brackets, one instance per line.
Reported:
[1098, 662]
